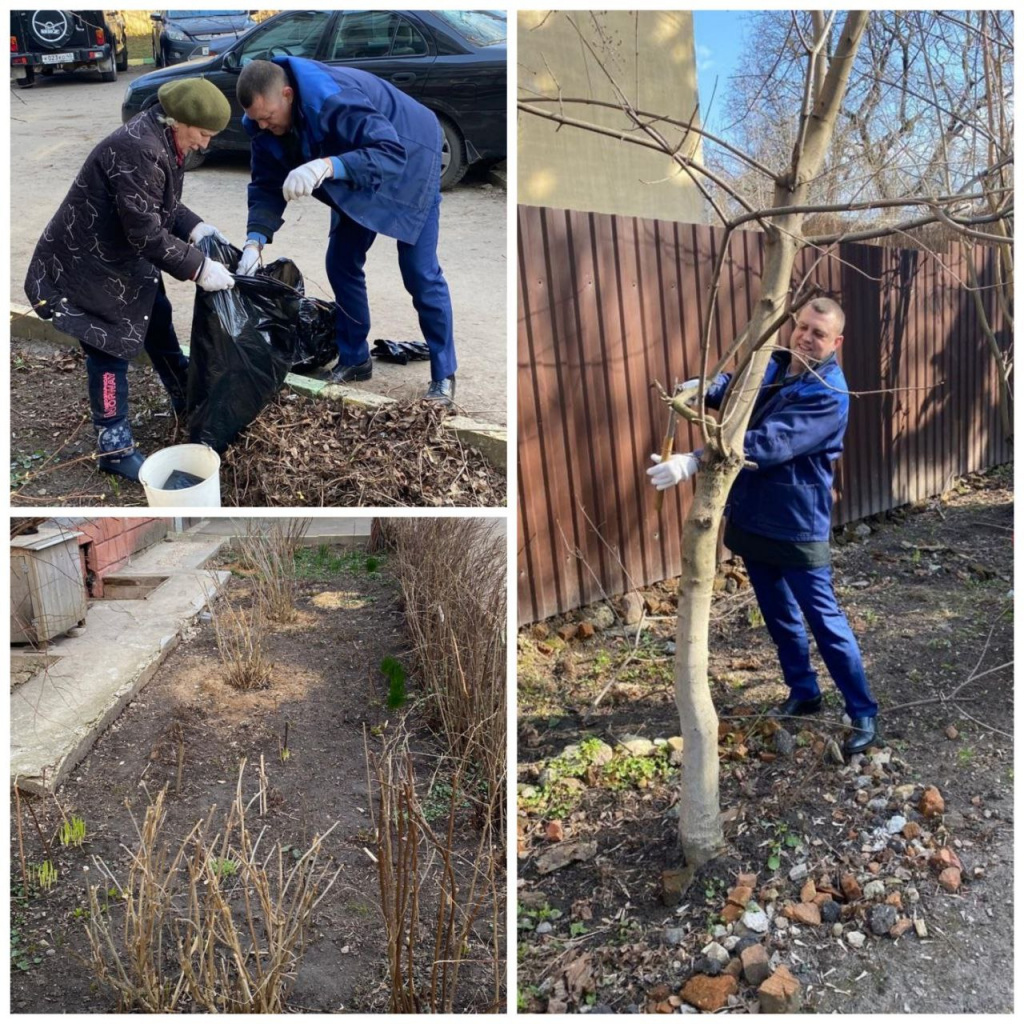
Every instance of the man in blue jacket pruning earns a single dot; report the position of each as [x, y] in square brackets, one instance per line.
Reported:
[779, 515]
[373, 155]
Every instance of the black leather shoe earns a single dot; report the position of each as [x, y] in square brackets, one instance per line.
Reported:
[794, 706]
[441, 391]
[350, 374]
[863, 732]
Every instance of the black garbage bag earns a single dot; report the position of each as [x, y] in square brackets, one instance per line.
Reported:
[244, 343]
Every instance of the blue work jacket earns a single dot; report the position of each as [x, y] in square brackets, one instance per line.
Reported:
[390, 146]
[795, 436]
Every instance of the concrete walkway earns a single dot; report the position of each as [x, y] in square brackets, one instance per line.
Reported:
[59, 713]
[351, 531]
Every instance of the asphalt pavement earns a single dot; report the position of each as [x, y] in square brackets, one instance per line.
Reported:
[56, 124]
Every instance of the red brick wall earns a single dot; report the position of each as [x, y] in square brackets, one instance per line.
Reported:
[112, 540]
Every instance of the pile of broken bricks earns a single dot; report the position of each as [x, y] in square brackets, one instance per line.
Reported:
[735, 968]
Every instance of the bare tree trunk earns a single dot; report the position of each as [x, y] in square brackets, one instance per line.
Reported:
[700, 832]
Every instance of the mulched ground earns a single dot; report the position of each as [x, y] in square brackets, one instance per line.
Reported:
[328, 692]
[927, 593]
[300, 452]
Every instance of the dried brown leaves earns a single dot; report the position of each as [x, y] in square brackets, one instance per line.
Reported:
[307, 452]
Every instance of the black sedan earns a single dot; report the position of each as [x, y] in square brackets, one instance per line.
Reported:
[181, 35]
[453, 62]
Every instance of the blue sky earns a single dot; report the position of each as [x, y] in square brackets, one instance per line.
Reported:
[718, 36]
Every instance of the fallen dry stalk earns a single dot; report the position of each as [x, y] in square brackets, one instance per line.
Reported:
[207, 925]
[308, 452]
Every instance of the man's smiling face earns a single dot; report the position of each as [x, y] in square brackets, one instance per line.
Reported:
[816, 335]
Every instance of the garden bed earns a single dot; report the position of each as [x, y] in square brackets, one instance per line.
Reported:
[311, 728]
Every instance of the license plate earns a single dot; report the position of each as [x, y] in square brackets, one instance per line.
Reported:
[58, 58]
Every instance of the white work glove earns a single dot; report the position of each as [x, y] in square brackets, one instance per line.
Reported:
[215, 277]
[250, 259]
[674, 470]
[203, 230]
[304, 179]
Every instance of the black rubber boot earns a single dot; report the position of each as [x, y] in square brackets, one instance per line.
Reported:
[118, 453]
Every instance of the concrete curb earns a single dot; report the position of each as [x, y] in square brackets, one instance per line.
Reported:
[489, 438]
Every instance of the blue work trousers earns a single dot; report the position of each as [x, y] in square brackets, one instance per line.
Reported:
[782, 595]
[423, 280]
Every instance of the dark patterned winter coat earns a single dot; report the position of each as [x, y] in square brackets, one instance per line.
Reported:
[98, 263]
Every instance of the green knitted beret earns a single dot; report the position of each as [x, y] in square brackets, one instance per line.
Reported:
[196, 102]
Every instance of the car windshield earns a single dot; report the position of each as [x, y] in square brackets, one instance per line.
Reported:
[207, 14]
[476, 27]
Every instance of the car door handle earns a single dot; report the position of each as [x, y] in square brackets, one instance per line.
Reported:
[403, 77]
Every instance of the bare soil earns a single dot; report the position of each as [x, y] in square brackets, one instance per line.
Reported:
[327, 691]
[928, 595]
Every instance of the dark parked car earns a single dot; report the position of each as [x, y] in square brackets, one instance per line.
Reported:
[182, 35]
[43, 42]
[453, 62]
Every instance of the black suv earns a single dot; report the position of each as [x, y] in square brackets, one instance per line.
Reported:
[46, 41]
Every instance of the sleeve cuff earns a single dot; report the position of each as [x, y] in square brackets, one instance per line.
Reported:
[340, 173]
[256, 236]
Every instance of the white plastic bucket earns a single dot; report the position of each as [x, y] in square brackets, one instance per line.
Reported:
[198, 459]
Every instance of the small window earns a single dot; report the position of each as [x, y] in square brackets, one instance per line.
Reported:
[295, 36]
[369, 34]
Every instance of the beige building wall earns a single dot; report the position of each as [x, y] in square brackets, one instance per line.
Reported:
[651, 56]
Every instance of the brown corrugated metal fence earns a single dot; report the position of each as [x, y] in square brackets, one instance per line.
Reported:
[609, 304]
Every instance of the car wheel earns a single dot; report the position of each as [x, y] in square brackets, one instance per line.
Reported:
[194, 159]
[111, 75]
[453, 155]
[122, 64]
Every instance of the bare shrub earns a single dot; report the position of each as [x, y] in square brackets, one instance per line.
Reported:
[241, 637]
[207, 924]
[270, 552]
[433, 896]
[453, 578]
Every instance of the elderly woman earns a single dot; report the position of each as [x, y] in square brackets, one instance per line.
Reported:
[96, 271]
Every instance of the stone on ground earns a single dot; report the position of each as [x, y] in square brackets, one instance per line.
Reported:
[709, 994]
[754, 960]
[780, 993]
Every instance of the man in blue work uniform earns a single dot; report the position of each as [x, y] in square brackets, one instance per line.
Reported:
[373, 155]
[779, 515]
